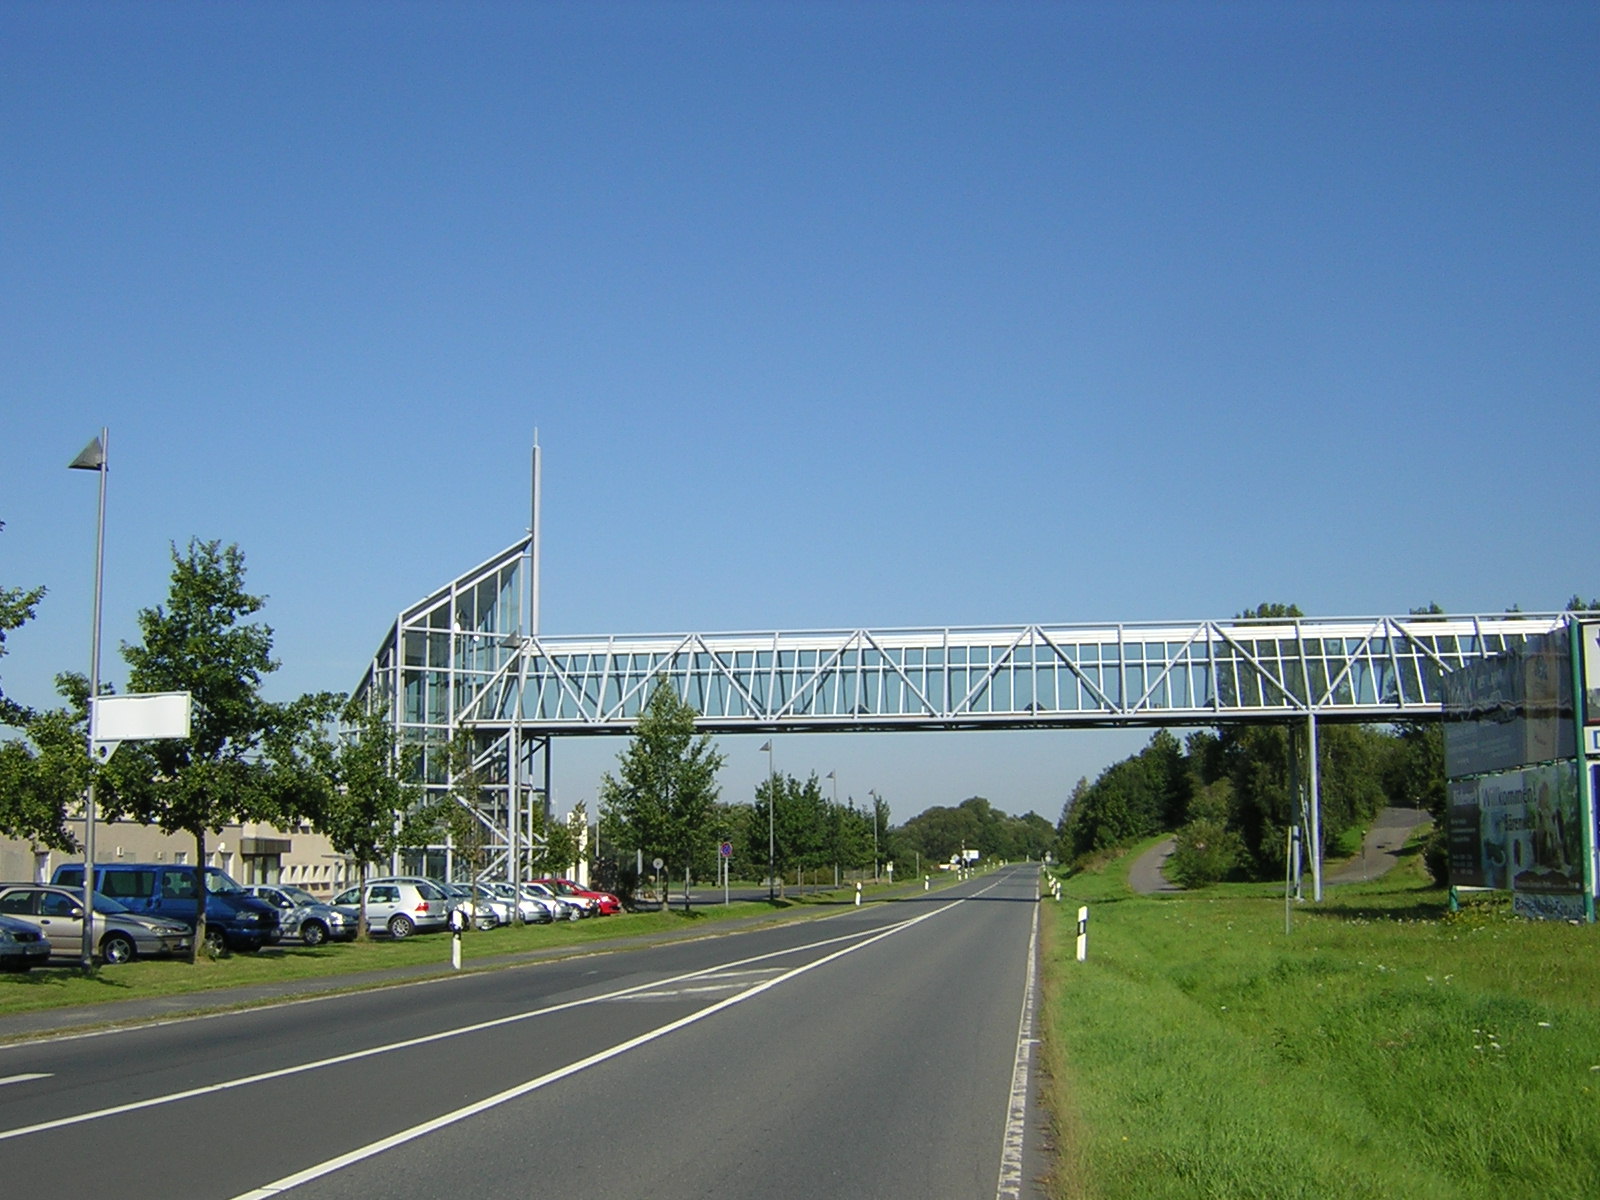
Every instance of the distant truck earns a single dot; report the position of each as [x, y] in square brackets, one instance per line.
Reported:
[964, 858]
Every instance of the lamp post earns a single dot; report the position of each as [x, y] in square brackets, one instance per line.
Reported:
[93, 458]
[772, 840]
[873, 792]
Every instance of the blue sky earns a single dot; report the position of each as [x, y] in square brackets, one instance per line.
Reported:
[828, 315]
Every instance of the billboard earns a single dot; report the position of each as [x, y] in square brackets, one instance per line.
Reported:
[1521, 831]
[1512, 710]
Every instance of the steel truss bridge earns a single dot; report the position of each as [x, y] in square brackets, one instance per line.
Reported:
[460, 661]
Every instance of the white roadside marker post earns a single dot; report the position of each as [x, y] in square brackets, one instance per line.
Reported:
[1083, 933]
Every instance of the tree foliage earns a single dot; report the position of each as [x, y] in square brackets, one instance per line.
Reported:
[663, 796]
[202, 642]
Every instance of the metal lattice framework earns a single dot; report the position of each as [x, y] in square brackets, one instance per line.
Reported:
[458, 660]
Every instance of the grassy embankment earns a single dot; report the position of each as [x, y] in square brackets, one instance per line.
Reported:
[65, 986]
[1383, 1048]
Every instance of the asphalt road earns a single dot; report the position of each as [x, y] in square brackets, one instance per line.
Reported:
[879, 1053]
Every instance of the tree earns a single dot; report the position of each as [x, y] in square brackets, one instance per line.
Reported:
[17, 607]
[662, 798]
[1207, 849]
[370, 807]
[201, 643]
[45, 776]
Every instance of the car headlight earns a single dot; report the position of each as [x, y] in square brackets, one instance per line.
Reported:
[5, 937]
[172, 930]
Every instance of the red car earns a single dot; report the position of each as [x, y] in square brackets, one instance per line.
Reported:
[602, 902]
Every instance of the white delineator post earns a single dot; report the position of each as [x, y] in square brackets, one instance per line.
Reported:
[1083, 933]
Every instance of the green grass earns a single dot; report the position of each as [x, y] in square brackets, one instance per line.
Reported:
[1383, 1048]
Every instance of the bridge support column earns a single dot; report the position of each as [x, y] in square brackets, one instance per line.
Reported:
[1313, 779]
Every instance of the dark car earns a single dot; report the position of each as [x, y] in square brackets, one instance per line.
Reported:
[21, 946]
[235, 920]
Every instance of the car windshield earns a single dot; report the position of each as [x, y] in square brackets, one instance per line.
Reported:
[219, 881]
[299, 895]
[105, 904]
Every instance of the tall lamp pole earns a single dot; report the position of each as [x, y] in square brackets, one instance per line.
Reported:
[772, 840]
[93, 458]
[874, 794]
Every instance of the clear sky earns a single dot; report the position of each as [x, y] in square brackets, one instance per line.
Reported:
[827, 315]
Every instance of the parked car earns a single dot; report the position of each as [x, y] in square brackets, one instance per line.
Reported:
[22, 947]
[120, 935]
[604, 902]
[565, 908]
[532, 910]
[302, 915]
[235, 919]
[402, 906]
[482, 912]
[486, 900]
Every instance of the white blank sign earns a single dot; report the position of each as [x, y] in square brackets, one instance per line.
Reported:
[140, 718]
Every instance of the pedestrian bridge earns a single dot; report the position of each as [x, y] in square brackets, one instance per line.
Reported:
[460, 663]
[459, 658]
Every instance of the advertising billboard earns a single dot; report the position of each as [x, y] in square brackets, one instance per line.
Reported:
[1512, 710]
[1521, 831]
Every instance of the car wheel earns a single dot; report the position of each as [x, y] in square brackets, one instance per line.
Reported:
[400, 926]
[313, 933]
[116, 948]
[216, 945]
[575, 914]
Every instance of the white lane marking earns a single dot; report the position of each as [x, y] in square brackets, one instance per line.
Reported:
[353, 1056]
[23, 1078]
[312, 1173]
[1009, 1186]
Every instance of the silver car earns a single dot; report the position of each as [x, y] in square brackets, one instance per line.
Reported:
[402, 906]
[120, 934]
[529, 910]
[302, 915]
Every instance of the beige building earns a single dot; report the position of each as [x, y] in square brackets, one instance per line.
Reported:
[249, 853]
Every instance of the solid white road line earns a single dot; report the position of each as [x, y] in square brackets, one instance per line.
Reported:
[288, 1182]
[1009, 1186]
[23, 1078]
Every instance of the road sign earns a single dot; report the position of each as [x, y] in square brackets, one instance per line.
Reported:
[727, 849]
[657, 863]
[135, 718]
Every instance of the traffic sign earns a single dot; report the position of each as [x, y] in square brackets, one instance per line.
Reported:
[727, 849]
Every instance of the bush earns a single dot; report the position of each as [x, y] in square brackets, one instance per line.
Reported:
[1207, 852]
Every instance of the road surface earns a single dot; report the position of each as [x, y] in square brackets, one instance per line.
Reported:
[883, 1052]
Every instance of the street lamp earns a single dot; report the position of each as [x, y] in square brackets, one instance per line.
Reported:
[93, 458]
[772, 841]
[874, 794]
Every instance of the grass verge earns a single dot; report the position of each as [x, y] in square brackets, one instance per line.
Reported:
[1383, 1048]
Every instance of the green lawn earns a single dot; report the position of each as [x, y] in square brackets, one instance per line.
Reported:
[1383, 1048]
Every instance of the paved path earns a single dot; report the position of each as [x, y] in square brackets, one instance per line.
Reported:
[1145, 876]
[1380, 851]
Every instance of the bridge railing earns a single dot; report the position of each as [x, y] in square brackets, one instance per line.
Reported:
[1380, 668]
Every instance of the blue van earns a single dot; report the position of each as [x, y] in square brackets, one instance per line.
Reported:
[234, 918]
